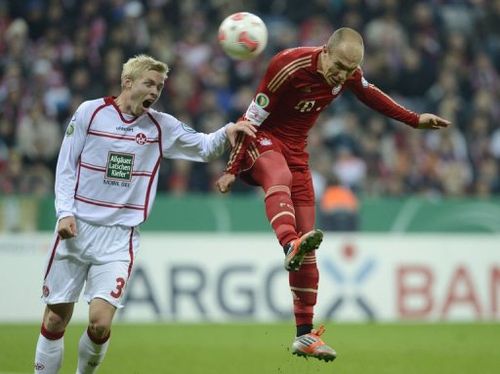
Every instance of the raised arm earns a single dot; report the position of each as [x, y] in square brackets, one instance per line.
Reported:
[378, 100]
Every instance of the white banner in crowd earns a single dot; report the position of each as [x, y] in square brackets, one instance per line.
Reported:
[196, 277]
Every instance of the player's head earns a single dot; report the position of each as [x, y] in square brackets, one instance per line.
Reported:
[142, 82]
[342, 55]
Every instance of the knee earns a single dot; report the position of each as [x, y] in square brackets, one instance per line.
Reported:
[54, 322]
[99, 329]
[282, 176]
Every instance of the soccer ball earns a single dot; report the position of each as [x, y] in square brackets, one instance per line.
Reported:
[243, 35]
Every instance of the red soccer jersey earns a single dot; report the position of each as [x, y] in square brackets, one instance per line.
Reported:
[293, 93]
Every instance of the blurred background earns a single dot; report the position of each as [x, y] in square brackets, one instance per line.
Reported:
[436, 56]
[416, 213]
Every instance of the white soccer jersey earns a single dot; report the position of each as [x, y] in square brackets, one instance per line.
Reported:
[108, 165]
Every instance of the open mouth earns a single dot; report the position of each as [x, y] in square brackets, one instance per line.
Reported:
[147, 103]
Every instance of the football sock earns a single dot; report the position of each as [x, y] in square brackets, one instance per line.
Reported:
[304, 287]
[304, 329]
[49, 352]
[91, 352]
[280, 213]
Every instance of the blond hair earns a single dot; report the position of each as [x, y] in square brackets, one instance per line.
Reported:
[138, 65]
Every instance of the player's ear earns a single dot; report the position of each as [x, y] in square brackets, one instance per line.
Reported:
[127, 82]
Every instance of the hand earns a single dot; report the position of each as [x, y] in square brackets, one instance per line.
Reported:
[245, 127]
[431, 121]
[66, 227]
[224, 182]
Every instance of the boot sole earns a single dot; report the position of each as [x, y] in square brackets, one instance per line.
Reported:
[326, 358]
[307, 245]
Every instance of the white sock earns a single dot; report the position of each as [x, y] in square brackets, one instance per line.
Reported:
[90, 354]
[49, 355]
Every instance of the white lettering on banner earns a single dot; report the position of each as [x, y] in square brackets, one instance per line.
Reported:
[363, 277]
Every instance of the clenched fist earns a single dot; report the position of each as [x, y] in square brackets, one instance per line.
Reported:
[224, 182]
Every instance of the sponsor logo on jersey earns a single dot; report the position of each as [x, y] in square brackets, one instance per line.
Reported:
[336, 89]
[364, 82]
[141, 138]
[119, 166]
[262, 100]
[70, 129]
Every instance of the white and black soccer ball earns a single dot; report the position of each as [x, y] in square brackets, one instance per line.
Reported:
[243, 35]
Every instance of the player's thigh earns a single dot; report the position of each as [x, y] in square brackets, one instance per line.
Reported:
[112, 256]
[57, 316]
[101, 313]
[107, 281]
[65, 274]
[271, 169]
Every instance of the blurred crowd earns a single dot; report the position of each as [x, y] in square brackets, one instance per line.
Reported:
[435, 56]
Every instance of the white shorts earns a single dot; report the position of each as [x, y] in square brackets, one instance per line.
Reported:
[101, 257]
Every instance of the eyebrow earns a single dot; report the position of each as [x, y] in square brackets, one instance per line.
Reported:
[342, 66]
[149, 80]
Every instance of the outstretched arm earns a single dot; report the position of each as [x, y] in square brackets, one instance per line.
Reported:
[378, 100]
[243, 127]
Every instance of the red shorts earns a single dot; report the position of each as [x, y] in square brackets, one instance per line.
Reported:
[297, 160]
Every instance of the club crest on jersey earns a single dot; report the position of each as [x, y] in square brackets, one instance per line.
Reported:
[141, 138]
[45, 291]
[262, 100]
[364, 82]
[336, 89]
[265, 141]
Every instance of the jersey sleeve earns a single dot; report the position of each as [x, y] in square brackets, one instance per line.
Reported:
[183, 142]
[274, 83]
[67, 162]
[378, 100]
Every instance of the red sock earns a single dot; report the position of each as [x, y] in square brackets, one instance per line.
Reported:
[304, 287]
[51, 335]
[98, 340]
[280, 213]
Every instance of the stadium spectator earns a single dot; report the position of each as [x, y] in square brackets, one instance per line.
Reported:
[338, 208]
[50, 48]
[298, 85]
[99, 205]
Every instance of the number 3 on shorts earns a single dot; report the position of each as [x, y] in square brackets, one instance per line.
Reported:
[120, 283]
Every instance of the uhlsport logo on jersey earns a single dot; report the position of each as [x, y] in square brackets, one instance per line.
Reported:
[119, 166]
